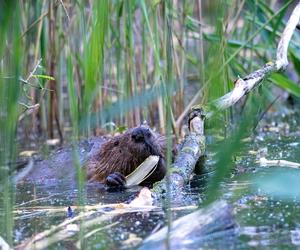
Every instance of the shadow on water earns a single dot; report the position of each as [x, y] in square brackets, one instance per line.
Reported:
[265, 221]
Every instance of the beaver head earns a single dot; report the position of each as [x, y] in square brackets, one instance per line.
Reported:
[125, 152]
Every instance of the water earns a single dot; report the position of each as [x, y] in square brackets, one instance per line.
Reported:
[266, 220]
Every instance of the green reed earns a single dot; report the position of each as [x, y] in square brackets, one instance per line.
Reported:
[10, 70]
[93, 57]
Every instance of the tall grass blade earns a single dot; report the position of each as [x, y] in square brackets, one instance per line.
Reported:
[10, 62]
[94, 55]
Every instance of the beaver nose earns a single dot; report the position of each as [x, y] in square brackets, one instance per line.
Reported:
[138, 134]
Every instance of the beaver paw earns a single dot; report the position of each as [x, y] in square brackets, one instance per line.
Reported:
[116, 179]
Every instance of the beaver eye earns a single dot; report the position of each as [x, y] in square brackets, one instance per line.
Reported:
[116, 143]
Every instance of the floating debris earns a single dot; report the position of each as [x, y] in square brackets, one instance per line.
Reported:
[278, 163]
[4, 245]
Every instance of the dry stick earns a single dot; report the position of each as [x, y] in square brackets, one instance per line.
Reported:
[33, 93]
[264, 112]
[34, 70]
[30, 109]
[236, 18]
[47, 210]
[279, 163]
[42, 16]
[65, 9]
[53, 111]
[31, 75]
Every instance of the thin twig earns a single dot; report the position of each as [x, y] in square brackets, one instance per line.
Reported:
[35, 22]
[64, 7]
[278, 163]
[41, 17]
[236, 18]
[34, 86]
[34, 69]
[265, 111]
[29, 110]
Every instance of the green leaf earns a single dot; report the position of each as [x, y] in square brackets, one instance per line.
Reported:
[285, 83]
[192, 59]
[155, 2]
[44, 77]
[94, 55]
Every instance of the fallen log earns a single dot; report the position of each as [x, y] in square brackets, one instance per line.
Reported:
[201, 228]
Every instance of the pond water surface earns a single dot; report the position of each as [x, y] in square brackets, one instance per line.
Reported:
[267, 218]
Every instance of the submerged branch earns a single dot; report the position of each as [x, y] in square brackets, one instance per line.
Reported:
[196, 229]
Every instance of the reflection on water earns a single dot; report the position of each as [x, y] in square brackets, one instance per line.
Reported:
[265, 222]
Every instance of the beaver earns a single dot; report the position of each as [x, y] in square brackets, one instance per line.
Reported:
[122, 154]
[105, 161]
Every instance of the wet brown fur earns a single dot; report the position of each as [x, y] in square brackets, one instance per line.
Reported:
[123, 154]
